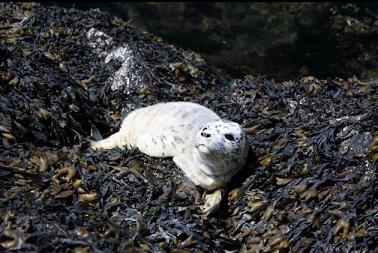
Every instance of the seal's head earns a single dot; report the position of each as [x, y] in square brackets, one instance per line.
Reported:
[224, 143]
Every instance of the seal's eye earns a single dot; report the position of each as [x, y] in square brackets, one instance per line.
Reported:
[229, 137]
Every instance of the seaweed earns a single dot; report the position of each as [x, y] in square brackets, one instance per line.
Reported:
[68, 76]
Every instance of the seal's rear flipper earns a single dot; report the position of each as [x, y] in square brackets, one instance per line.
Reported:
[95, 134]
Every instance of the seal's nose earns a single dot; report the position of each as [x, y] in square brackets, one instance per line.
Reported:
[206, 135]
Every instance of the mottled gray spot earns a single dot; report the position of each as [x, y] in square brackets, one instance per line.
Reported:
[162, 153]
[185, 115]
[154, 141]
[173, 144]
[178, 139]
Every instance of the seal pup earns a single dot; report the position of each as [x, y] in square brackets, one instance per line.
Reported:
[208, 149]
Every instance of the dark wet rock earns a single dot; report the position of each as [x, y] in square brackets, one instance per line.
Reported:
[70, 75]
[282, 40]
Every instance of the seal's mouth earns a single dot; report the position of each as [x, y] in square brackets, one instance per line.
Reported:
[203, 148]
[201, 145]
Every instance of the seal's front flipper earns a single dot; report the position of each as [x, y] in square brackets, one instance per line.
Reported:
[212, 202]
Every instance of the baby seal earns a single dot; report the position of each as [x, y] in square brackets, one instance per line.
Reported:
[208, 149]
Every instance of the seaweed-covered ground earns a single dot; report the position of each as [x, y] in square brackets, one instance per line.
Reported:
[68, 76]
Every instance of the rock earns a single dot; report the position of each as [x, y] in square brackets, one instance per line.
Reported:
[53, 186]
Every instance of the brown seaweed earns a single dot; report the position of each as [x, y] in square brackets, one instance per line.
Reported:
[311, 187]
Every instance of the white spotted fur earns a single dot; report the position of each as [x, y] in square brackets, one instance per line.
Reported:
[174, 130]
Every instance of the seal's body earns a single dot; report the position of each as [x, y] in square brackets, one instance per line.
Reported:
[210, 151]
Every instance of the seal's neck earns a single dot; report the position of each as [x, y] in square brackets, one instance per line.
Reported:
[211, 165]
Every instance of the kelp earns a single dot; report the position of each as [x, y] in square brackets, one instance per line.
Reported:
[68, 76]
